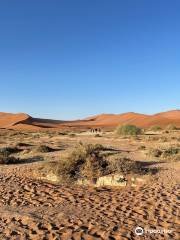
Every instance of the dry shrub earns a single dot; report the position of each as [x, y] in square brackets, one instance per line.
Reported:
[155, 128]
[142, 147]
[87, 161]
[98, 135]
[5, 157]
[72, 135]
[6, 151]
[163, 139]
[175, 157]
[43, 149]
[155, 152]
[153, 138]
[84, 162]
[171, 127]
[21, 144]
[8, 160]
[124, 165]
[171, 153]
[63, 133]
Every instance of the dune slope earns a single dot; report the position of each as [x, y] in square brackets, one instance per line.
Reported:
[8, 120]
[109, 121]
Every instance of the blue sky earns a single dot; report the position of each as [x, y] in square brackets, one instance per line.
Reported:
[68, 59]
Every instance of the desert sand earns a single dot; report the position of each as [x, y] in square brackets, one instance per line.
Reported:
[34, 208]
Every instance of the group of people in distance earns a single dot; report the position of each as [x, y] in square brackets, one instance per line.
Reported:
[95, 130]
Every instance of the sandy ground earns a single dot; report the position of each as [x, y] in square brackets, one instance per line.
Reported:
[37, 210]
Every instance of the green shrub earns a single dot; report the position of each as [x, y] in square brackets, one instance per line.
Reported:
[128, 130]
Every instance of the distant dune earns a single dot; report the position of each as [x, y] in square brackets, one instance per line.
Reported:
[8, 120]
[107, 121]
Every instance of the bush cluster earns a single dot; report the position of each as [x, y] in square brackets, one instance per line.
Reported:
[130, 130]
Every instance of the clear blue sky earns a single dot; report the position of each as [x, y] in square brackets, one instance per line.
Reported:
[68, 59]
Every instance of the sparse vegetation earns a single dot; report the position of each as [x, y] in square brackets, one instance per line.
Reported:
[6, 151]
[41, 173]
[155, 128]
[155, 152]
[123, 165]
[63, 133]
[98, 135]
[171, 127]
[87, 161]
[44, 149]
[142, 147]
[171, 153]
[72, 135]
[128, 130]
[163, 139]
[84, 161]
[8, 160]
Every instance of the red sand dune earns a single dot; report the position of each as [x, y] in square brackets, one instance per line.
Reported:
[108, 121]
[8, 120]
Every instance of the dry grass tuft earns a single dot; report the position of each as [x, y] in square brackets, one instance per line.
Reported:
[155, 128]
[169, 153]
[171, 127]
[44, 149]
[124, 165]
